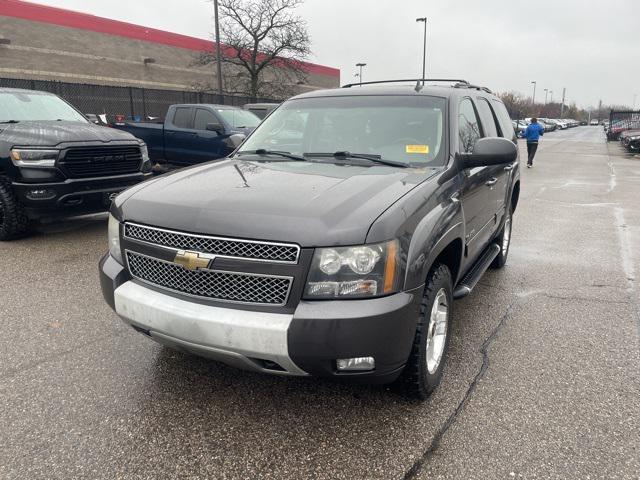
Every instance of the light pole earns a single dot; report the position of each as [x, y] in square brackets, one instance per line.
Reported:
[551, 97]
[546, 91]
[360, 74]
[218, 58]
[533, 99]
[424, 49]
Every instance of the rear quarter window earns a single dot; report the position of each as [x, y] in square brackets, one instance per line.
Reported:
[504, 120]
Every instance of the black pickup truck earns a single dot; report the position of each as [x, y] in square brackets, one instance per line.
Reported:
[193, 133]
[340, 253]
[54, 162]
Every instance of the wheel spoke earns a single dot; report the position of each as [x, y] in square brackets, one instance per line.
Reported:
[437, 331]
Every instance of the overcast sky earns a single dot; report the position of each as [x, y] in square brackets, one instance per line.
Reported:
[591, 47]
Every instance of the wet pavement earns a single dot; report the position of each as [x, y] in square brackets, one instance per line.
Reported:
[543, 378]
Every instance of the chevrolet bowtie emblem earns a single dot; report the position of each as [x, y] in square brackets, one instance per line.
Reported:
[192, 260]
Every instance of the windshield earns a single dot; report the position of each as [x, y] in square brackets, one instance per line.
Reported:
[239, 118]
[35, 106]
[407, 129]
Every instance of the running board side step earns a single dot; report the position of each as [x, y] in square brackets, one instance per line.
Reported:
[471, 279]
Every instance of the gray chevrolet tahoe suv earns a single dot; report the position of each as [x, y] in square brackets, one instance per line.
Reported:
[332, 242]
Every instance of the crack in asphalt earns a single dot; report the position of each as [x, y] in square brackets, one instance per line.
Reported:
[435, 441]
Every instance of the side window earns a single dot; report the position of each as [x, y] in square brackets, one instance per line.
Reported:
[488, 118]
[504, 119]
[182, 117]
[203, 117]
[468, 126]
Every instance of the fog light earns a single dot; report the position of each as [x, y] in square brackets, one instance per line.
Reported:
[40, 194]
[357, 363]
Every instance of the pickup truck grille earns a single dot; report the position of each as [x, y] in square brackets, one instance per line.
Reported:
[212, 284]
[221, 247]
[101, 161]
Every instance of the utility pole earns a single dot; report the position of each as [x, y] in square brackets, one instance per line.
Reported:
[564, 92]
[424, 49]
[218, 55]
[600, 110]
[546, 91]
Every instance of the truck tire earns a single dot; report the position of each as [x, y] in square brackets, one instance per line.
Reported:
[425, 365]
[13, 220]
[504, 241]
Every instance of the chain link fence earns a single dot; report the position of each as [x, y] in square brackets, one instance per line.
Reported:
[128, 101]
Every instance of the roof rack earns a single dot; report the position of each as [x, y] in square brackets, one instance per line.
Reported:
[457, 80]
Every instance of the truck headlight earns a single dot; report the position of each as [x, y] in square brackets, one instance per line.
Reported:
[114, 238]
[359, 271]
[146, 162]
[28, 157]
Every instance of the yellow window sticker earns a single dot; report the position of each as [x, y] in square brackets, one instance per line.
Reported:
[417, 149]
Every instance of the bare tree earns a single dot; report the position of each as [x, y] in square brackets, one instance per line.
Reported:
[265, 44]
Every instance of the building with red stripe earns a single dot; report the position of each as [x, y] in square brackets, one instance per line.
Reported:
[46, 43]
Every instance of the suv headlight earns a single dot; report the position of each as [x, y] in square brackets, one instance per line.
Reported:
[29, 157]
[114, 238]
[360, 271]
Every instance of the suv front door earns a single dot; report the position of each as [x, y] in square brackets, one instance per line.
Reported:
[478, 209]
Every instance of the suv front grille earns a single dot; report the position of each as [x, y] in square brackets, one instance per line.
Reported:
[212, 284]
[221, 247]
[102, 161]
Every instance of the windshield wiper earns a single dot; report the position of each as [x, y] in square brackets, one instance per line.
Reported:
[11, 121]
[365, 156]
[264, 152]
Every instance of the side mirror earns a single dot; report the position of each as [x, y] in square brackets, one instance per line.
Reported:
[490, 151]
[215, 127]
[235, 140]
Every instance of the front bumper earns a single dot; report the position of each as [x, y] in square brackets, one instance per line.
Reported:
[73, 196]
[305, 342]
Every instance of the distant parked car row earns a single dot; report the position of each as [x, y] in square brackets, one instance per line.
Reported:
[549, 124]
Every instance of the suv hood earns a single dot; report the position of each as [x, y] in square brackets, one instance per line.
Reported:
[52, 134]
[312, 204]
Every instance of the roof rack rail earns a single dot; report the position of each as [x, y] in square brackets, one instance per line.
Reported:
[457, 80]
[469, 85]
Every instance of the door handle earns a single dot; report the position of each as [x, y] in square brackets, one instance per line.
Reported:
[491, 181]
[508, 168]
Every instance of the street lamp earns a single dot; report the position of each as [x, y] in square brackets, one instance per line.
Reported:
[533, 99]
[551, 95]
[424, 49]
[360, 74]
[545, 95]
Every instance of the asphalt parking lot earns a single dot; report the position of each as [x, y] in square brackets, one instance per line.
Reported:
[543, 380]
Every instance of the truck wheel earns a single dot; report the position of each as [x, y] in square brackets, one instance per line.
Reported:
[13, 220]
[425, 365]
[504, 241]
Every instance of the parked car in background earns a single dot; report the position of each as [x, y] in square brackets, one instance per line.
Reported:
[54, 162]
[629, 139]
[193, 133]
[261, 110]
[595, 121]
[519, 126]
[548, 125]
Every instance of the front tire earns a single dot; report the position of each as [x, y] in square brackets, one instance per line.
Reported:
[425, 365]
[13, 220]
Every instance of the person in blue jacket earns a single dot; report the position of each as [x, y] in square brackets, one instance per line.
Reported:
[532, 133]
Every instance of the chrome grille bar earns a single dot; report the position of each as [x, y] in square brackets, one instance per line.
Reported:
[259, 251]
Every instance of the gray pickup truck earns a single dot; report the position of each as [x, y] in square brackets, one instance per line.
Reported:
[54, 162]
[193, 133]
[338, 254]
